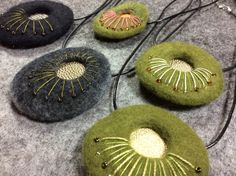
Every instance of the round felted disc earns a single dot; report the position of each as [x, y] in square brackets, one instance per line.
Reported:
[121, 21]
[34, 24]
[181, 73]
[144, 140]
[61, 85]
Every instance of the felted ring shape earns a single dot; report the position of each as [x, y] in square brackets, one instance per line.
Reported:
[33, 24]
[144, 140]
[61, 85]
[180, 73]
[121, 21]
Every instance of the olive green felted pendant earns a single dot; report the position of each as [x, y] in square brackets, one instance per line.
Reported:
[62, 84]
[181, 73]
[34, 24]
[121, 21]
[143, 140]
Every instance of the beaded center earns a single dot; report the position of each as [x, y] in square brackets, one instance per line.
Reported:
[38, 16]
[70, 71]
[147, 143]
[180, 65]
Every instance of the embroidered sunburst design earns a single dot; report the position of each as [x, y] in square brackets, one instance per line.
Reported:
[179, 74]
[18, 21]
[144, 153]
[121, 20]
[71, 70]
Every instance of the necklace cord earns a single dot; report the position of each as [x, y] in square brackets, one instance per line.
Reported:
[230, 115]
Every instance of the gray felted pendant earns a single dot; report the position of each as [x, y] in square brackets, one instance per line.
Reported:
[121, 21]
[34, 24]
[144, 140]
[61, 85]
[181, 73]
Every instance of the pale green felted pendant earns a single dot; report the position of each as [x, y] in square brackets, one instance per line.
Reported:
[143, 140]
[121, 21]
[181, 73]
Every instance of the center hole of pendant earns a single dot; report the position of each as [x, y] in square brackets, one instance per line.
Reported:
[148, 143]
[38, 16]
[70, 70]
[180, 65]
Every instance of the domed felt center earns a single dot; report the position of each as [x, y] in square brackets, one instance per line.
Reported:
[70, 70]
[38, 16]
[180, 65]
[147, 143]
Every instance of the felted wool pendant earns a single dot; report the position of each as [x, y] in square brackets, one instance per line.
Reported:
[121, 21]
[61, 85]
[181, 73]
[34, 24]
[144, 140]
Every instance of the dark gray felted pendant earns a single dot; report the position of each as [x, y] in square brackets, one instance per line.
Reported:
[181, 73]
[144, 140]
[34, 24]
[61, 85]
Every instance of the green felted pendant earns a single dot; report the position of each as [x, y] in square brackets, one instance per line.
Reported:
[121, 21]
[143, 140]
[181, 73]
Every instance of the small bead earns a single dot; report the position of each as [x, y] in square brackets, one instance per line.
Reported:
[96, 140]
[104, 165]
[198, 170]
[73, 95]
[158, 81]
[30, 76]
[209, 83]
[59, 100]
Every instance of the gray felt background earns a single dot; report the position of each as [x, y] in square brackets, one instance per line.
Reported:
[29, 148]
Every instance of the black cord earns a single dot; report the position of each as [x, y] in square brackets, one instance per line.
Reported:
[230, 115]
[134, 52]
[182, 13]
[96, 11]
[229, 68]
[124, 73]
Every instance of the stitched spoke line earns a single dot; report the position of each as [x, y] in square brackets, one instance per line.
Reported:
[48, 72]
[121, 156]
[122, 20]
[17, 19]
[175, 76]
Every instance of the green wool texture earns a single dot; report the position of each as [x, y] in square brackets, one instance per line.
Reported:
[180, 73]
[107, 148]
[126, 20]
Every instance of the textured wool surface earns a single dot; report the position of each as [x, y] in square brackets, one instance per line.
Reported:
[140, 10]
[179, 139]
[87, 91]
[193, 55]
[36, 33]
[30, 148]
